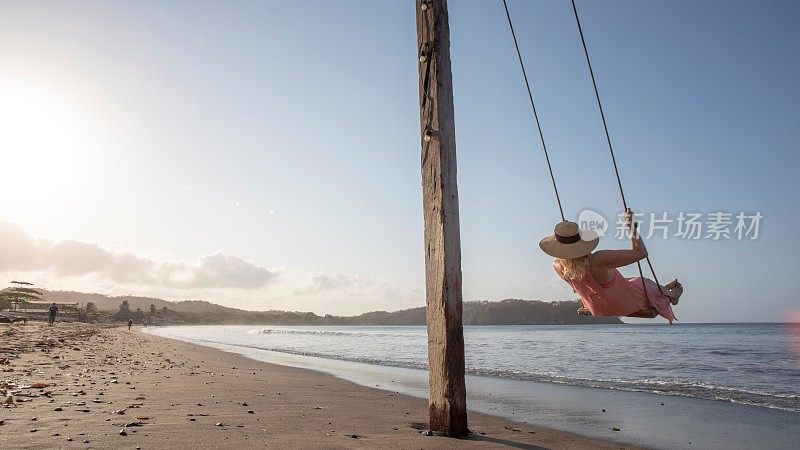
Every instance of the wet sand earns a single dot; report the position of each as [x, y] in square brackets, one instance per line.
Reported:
[110, 387]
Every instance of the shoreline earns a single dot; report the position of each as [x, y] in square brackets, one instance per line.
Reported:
[636, 418]
[590, 383]
[108, 387]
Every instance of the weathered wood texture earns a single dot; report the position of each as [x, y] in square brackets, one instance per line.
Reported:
[447, 400]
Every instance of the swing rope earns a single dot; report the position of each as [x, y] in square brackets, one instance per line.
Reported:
[611, 147]
[600, 107]
[535, 114]
[605, 128]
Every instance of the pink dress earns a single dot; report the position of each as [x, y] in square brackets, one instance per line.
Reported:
[620, 296]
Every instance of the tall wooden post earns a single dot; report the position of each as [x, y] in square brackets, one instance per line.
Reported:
[447, 394]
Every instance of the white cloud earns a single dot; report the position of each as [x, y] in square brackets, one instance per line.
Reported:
[217, 277]
[217, 271]
[19, 252]
[320, 283]
[354, 294]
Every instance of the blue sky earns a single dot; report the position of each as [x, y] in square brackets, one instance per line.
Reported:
[284, 137]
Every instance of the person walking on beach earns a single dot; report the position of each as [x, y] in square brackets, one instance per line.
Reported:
[130, 322]
[595, 278]
[51, 314]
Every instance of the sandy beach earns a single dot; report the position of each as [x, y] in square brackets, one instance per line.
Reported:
[91, 386]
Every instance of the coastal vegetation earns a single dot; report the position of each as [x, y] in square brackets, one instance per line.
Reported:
[157, 311]
[19, 295]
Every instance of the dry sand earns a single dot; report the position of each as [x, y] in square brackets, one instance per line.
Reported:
[110, 387]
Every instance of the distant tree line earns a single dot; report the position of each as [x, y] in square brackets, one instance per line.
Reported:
[506, 312]
[153, 315]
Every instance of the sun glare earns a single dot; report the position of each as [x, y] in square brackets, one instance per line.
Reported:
[42, 142]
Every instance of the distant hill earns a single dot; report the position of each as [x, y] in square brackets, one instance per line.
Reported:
[108, 303]
[505, 312]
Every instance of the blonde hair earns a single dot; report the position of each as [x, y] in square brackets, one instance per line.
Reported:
[573, 268]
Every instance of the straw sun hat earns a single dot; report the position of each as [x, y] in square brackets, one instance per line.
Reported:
[569, 241]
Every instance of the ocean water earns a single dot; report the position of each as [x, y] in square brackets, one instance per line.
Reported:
[753, 364]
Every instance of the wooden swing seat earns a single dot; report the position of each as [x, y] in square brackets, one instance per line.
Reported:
[648, 313]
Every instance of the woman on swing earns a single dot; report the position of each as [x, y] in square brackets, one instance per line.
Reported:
[595, 278]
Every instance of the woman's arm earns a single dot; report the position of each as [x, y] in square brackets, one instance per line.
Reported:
[611, 259]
